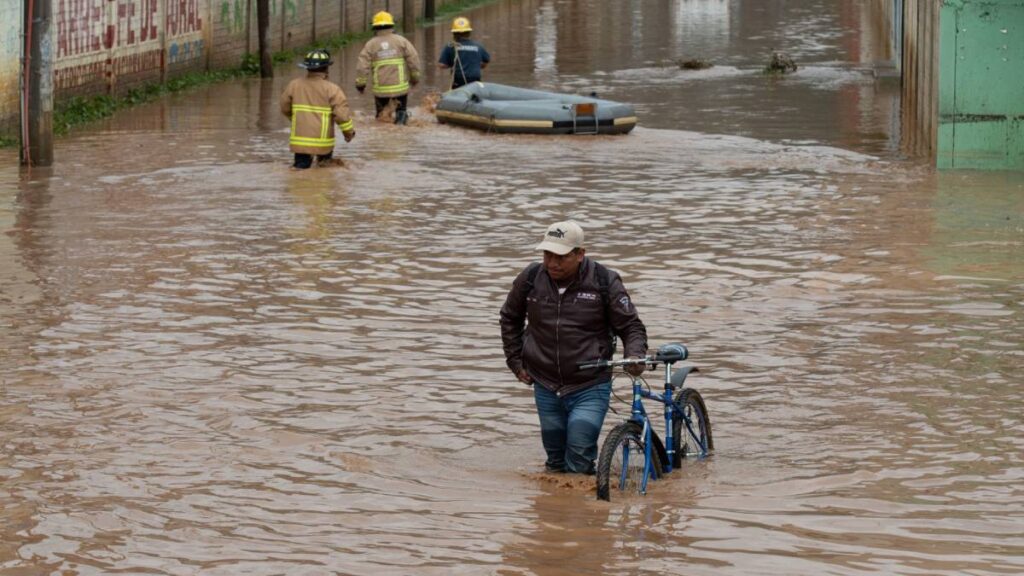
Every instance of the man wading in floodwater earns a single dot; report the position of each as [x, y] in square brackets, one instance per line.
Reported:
[556, 315]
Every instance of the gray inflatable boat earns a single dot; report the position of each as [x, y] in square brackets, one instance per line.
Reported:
[498, 108]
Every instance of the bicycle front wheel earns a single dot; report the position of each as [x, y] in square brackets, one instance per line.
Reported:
[620, 466]
[691, 439]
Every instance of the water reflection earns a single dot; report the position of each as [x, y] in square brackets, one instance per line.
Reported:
[546, 39]
[215, 364]
[709, 20]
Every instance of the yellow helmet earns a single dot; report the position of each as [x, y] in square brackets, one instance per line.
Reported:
[461, 24]
[382, 18]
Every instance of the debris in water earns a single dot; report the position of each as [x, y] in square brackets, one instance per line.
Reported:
[430, 101]
[579, 482]
[332, 163]
[693, 64]
[780, 63]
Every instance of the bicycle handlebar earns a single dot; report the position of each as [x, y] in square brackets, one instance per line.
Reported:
[613, 363]
[667, 354]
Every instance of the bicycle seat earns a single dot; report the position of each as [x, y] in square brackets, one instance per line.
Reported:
[670, 353]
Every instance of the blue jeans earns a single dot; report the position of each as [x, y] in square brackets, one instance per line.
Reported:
[569, 426]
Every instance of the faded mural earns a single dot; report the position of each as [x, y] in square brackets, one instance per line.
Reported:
[103, 44]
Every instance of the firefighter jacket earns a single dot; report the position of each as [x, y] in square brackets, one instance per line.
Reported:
[391, 62]
[562, 330]
[315, 104]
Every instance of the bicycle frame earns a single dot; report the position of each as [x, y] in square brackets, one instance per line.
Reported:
[639, 415]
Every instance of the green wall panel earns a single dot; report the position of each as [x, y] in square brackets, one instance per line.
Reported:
[981, 84]
[990, 60]
[947, 54]
[980, 144]
[1015, 143]
[944, 156]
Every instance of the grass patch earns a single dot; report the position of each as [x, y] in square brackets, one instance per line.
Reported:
[82, 109]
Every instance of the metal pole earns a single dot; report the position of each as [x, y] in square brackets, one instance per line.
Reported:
[408, 15]
[37, 148]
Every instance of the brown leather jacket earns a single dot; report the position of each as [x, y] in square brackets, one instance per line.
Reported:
[314, 104]
[563, 330]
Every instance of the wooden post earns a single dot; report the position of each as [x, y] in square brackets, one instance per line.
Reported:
[37, 109]
[408, 15]
[263, 25]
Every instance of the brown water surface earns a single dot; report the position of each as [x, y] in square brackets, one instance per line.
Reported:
[212, 364]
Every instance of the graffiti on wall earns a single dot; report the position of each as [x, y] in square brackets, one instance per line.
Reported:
[183, 17]
[136, 62]
[136, 22]
[232, 15]
[291, 10]
[88, 26]
[81, 26]
[185, 51]
[101, 40]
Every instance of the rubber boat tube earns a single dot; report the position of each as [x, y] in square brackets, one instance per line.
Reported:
[499, 108]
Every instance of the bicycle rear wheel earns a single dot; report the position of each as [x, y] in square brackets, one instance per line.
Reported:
[620, 466]
[686, 446]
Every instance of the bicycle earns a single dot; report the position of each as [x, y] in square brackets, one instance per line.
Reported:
[632, 452]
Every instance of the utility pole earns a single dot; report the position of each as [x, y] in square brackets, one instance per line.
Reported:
[408, 15]
[37, 85]
[263, 26]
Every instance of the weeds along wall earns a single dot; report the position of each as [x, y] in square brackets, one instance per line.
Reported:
[112, 46]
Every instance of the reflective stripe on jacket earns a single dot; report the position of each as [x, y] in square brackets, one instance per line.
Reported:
[315, 104]
[390, 61]
[548, 333]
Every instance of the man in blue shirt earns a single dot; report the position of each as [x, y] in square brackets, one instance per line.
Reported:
[465, 57]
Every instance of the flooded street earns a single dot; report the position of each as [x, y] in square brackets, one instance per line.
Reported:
[212, 364]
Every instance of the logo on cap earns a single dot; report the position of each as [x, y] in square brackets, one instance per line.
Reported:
[562, 238]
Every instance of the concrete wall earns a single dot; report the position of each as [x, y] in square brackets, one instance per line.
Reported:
[111, 46]
[981, 85]
[10, 65]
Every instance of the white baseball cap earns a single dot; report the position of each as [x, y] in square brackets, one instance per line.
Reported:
[562, 238]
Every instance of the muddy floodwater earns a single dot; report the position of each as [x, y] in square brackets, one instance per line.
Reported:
[211, 364]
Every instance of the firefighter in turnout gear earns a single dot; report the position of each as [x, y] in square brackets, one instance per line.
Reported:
[314, 105]
[392, 63]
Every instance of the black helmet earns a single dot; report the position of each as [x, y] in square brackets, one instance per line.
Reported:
[314, 59]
